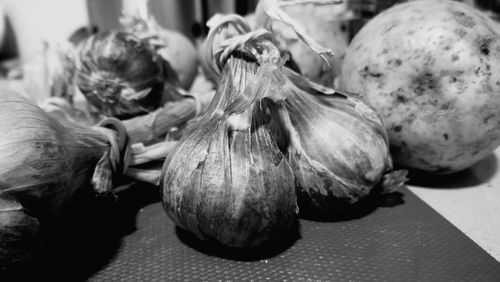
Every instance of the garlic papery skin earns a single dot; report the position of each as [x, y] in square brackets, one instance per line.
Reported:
[338, 148]
[227, 180]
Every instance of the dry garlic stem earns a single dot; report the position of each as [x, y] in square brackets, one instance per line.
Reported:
[272, 9]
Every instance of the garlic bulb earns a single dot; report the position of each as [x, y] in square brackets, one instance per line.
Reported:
[227, 180]
[121, 75]
[338, 147]
[269, 138]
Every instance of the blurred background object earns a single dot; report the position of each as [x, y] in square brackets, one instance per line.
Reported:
[2, 26]
[32, 30]
[369, 8]
[491, 7]
[34, 22]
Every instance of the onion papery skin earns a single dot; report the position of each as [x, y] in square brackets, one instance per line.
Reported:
[112, 66]
[42, 165]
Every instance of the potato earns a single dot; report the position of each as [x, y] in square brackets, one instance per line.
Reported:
[432, 71]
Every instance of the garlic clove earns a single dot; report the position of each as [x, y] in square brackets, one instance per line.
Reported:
[338, 147]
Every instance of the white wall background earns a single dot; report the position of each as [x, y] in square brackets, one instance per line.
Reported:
[54, 20]
[35, 20]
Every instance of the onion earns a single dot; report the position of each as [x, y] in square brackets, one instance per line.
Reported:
[43, 163]
[174, 47]
[19, 235]
[121, 75]
[124, 77]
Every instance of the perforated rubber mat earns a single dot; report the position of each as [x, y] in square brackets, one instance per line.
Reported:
[406, 242]
[402, 240]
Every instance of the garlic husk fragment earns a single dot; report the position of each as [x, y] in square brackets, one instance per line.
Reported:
[316, 21]
[227, 180]
[338, 147]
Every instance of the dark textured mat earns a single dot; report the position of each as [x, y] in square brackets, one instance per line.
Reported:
[402, 239]
[406, 242]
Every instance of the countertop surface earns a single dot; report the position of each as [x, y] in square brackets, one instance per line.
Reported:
[470, 200]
